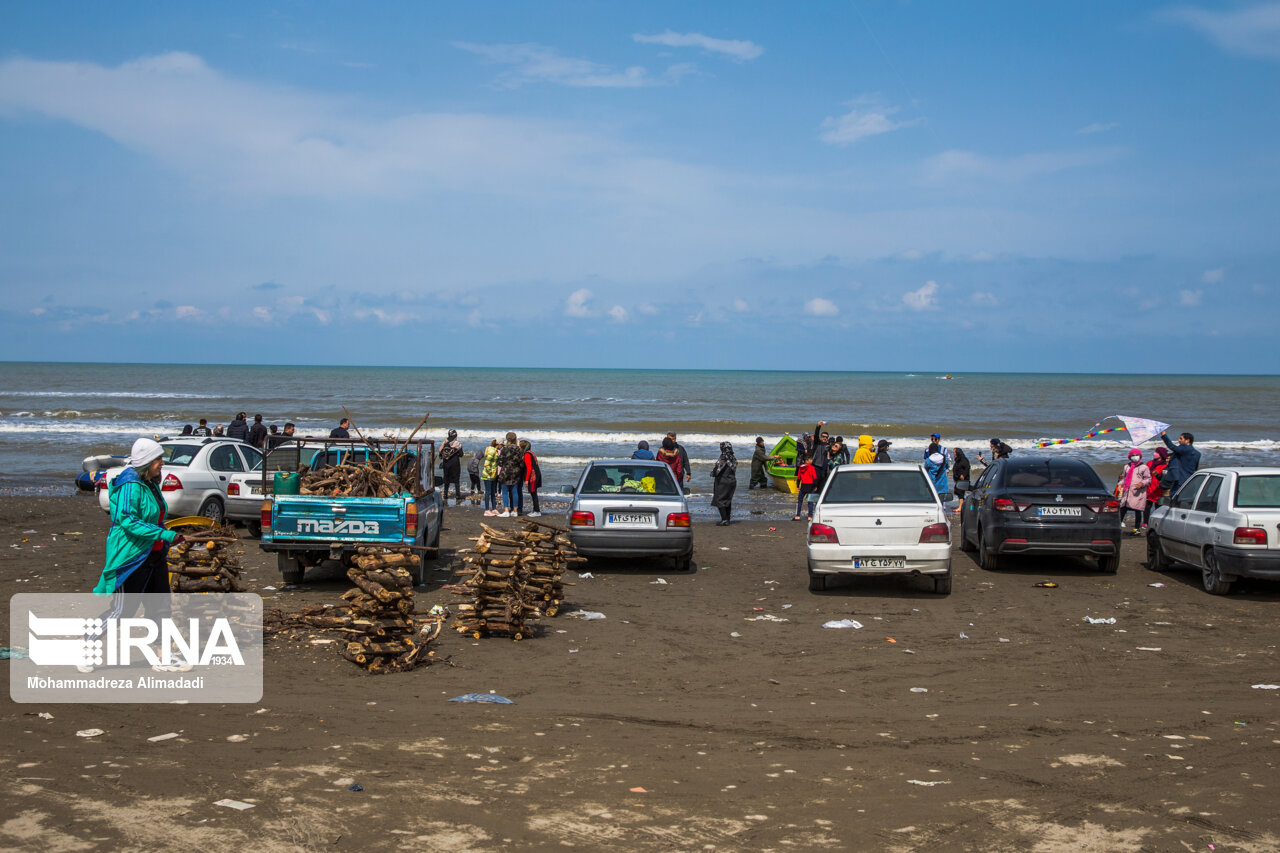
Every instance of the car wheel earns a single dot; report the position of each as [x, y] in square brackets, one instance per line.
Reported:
[255, 529]
[987, 558]
[942, 584]
[291, 570]
[817, 583]
[1156, 560]
[1110, 564]
[1211, 575]
[212, 509]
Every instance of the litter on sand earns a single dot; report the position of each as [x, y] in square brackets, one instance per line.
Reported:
[167, 736]
[1108, 621]
[234, 804]
[585, 614]
[90, 733]
[658, 582]
[639, 791]
[928, 784]
[919, 689]
[45, 715]
[586, 576]
[766, 617]
[1266, 687]
[842, 623]
[1157, 585]
[1149, 649]
[356, 788]
[1047, 585]
[490, 698]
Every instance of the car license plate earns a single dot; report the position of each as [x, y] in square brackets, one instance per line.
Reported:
[879, 563]
[1058, 512]
[631, 519]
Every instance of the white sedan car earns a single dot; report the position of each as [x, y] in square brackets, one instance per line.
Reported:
[213, 477]
[879, 520]
[1224, 522]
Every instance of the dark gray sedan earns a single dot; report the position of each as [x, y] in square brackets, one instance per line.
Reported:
[631, 508]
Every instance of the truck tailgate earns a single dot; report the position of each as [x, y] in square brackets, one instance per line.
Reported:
[313, 518]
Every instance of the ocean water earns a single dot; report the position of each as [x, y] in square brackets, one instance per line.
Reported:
[52, 415]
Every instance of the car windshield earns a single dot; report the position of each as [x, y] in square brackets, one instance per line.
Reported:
[1258, 492]
[873, 486]
[180, 454]
[1050, 474]
[630, 480]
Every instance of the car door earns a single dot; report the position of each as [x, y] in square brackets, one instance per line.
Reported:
[1173, 530]
[975, 500]
[223, 462]
[242, 501]
[1200, 528]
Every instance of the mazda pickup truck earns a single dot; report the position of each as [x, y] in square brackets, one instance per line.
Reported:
[325, 522]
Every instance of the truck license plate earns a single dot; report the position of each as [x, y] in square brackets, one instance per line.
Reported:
[631, 519]
[1058, 512]
[879, 563]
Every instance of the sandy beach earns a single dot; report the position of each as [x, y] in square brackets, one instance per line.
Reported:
[995, 719]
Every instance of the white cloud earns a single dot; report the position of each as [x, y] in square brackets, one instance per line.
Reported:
[820, 307]
[1189, 297]
[386, 318]
[1098, 127]
[538, 63]
[741, 305]
[982, 257]
[986, 299]
[187, 312]
[576, 304]
[1213, 276]
[647, 309]
[922, 299]
[740, 50]
[865, 119]
[37, 311]
[618, 314]
[966, 164]
[262, 312]
[1246, 30]
[239, 137]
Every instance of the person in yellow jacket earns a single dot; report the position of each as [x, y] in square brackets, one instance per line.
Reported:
[866, 452]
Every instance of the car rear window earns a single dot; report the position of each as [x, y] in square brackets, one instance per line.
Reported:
[1050, 474]
[180, 454]
[1258, 492]
[630, 480]
[876, 486]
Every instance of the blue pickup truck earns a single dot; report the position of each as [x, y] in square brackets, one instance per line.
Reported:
[306, 529]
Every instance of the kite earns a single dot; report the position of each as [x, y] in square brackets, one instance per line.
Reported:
[1140, 430]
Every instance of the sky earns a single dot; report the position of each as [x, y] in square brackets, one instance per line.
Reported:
[873, 185]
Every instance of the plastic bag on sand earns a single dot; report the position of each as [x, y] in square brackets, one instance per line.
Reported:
[586, 614]
[842, 623]
[491, 698]
[1092, 621]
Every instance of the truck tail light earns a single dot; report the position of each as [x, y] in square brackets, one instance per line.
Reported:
[411, 519]
[823, 533]
[264, 515]
[1106, 506]
[935, 534]
[582, 519]
[678, 519]
[1250, 536]
[170, 484]
[233, 489]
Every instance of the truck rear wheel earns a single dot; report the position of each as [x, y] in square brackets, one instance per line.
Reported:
[291, 570]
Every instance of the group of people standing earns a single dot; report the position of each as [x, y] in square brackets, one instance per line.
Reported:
[1143, 483]
[257, 434]
[503, 471]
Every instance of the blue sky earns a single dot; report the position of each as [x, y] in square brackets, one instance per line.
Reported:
[1089, 186]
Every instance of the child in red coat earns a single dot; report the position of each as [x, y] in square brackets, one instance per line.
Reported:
[806, 479]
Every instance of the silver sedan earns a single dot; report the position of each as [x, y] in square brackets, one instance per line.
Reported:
[631, 508]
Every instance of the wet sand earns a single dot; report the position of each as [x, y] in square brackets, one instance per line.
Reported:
[1038, 731]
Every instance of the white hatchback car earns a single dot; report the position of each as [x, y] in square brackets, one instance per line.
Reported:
[1224, 522]
[213, 477]
[879, 520]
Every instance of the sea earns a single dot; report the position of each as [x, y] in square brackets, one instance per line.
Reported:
[52, 415]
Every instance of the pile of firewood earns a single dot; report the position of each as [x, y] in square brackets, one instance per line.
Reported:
[205, 562]
[364, 480]
[513, 576]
